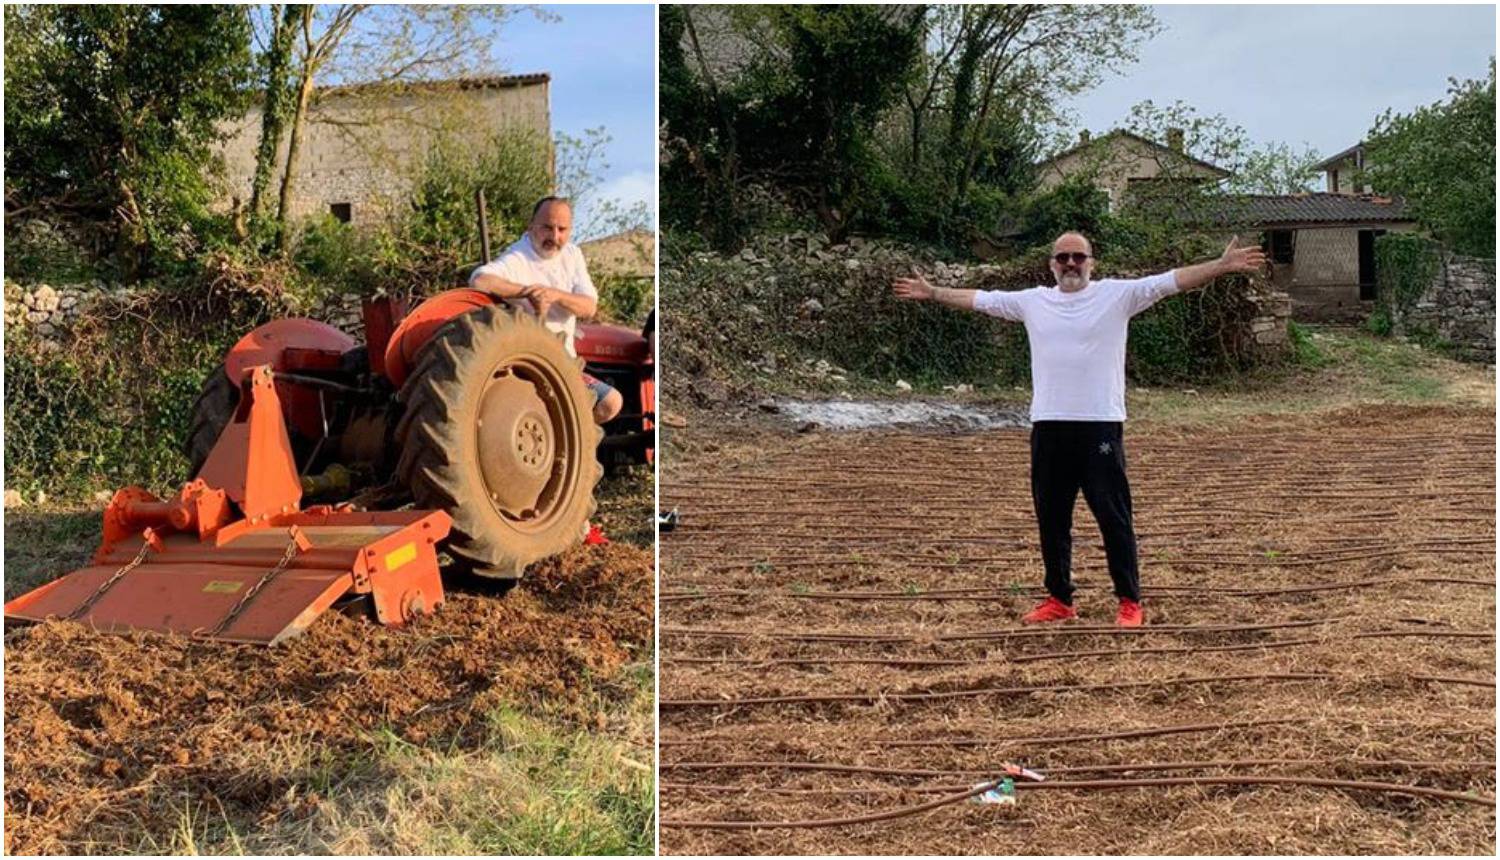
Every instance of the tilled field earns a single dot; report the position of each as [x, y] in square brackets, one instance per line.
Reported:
[840, 640]
[108, 737]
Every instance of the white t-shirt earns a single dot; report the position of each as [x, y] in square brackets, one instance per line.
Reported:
[1078, 342]
[565, 271]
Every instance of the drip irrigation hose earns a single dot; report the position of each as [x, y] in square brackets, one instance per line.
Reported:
[1092, 785]
[1041, 739]
[874, 698]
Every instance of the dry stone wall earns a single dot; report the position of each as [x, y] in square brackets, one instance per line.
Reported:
[1458, 307]
[47, 313]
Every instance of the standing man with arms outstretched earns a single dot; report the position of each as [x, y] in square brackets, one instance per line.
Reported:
[1077, 334]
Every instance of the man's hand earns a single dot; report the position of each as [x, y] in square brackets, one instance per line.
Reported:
[1234, 261]
[1241, 260]
[914, 288]
[542, 298]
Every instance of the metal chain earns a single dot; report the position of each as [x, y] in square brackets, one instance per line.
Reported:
[286, 559]
[110, 583]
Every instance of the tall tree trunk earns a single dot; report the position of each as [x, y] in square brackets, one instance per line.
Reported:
[293, 149]
[273, 118]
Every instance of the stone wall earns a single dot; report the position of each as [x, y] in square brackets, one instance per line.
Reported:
[1458, 307]
[361, 148]
[47, 313]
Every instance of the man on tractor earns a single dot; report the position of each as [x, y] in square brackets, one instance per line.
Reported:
[544, 273]
[1077, 334]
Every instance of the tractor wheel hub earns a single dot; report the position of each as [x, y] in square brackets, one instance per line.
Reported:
[516, 444]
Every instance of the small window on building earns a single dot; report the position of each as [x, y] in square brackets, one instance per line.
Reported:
[341, 211]
[1282, 246]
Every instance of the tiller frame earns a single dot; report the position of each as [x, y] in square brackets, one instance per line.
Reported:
[235, 558]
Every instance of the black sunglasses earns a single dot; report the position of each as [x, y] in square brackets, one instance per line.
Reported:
[1077, 256]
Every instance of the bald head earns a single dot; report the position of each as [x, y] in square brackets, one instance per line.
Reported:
[1072, 261]
[1071, 240]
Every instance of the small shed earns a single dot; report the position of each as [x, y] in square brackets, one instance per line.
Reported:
[1321, 247]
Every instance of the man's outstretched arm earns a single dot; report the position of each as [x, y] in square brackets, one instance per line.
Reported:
[1234, 260]
[916, 288]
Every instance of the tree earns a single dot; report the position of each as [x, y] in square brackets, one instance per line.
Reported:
[785, 98]
[112, 110]
[816, 100]
[382, 48]
[993, 70]
[1278, 168]
[1181, 193]
[283, 22]
[1441, 159]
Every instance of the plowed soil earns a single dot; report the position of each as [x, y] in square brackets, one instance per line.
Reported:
[106, 737]
[840, 637]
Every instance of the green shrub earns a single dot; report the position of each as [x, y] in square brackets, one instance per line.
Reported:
[1405, 264]
[623, 300]
[112, 408]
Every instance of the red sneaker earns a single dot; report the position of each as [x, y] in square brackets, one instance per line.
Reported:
[1050, 609]
[595, 536]
[1131, 614]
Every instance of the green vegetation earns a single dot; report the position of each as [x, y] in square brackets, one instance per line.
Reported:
[1441, 159]
[1405, 264]
[100, 122]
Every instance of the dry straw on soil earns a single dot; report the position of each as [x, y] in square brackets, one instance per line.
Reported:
[116, 743]
[1321, 595]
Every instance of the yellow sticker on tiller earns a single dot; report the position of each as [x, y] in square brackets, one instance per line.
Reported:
[400, 556]
[223, 586]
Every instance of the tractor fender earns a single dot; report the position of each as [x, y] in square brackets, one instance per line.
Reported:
[290, 345]
[422, 323]
[611, 344]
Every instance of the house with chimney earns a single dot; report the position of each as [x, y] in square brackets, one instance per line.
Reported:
[1129, 167]
[1321, 244]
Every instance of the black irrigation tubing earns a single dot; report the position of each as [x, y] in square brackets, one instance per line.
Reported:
[925, 773]
[898, 662]
[1091, 785]
[1253, 646]
[985, 594]
[1196, 728]
[1041, 739]
[1000, 633]
[933, 695]
[839, 822]
[1445, 679]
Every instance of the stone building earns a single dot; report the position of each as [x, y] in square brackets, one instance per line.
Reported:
[1127, 166]
[1345, 171]
[363, 144]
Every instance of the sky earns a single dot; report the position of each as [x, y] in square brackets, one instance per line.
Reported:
[1318, 75]
[602, 59]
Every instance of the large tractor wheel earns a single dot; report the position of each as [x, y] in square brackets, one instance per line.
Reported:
[498, 431]
[211, 412]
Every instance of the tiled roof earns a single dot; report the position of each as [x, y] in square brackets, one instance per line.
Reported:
[1318, 207]
[1333, 160]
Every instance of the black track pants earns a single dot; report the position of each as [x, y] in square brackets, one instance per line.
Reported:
[1067, 456]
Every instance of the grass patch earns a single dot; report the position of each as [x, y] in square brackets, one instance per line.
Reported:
[42, 544]
[1335, 367]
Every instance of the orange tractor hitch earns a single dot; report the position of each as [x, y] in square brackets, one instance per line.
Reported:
[235, 557]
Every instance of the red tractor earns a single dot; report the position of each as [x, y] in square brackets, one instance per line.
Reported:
[463, 408]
